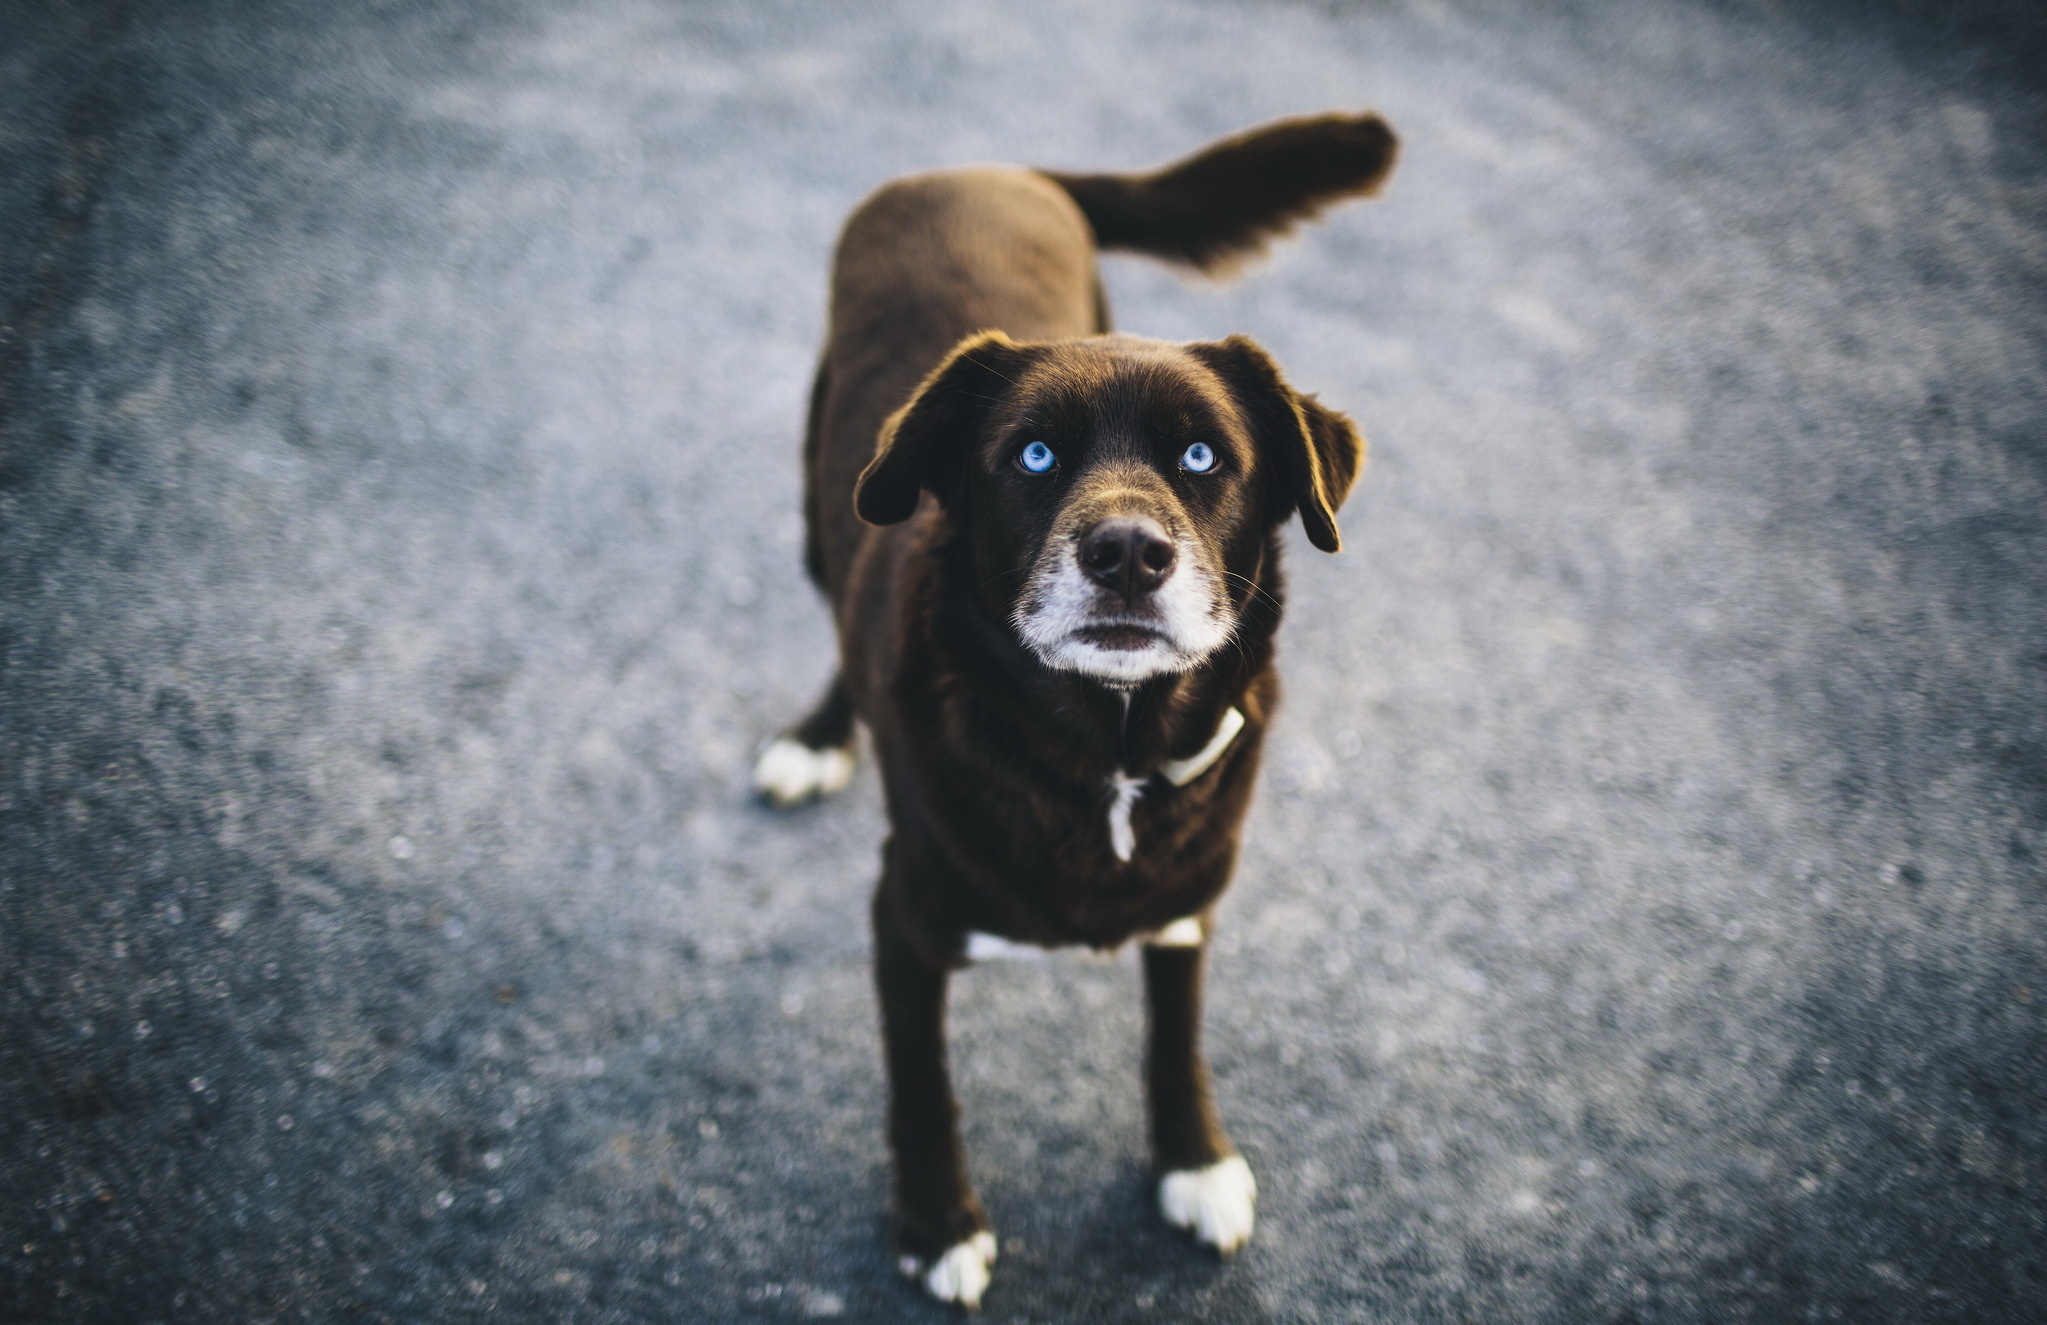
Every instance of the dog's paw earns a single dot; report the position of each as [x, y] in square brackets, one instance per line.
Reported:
[960, 1276]
[1216, 1203]
[790, 772]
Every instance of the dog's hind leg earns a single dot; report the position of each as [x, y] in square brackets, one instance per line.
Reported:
[812, 759]
[1204, 1185]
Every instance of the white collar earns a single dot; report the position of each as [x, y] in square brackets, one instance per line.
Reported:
[1180, 772]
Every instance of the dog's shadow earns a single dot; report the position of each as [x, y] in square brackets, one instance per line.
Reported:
[1120, 1261]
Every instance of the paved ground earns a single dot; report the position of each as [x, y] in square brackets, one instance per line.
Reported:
[1642, 918]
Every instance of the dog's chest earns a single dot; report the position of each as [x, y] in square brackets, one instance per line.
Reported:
[1115, 853]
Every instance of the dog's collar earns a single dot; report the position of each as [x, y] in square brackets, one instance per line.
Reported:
[1180, 772]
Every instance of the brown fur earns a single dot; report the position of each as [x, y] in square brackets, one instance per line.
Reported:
[966, 313]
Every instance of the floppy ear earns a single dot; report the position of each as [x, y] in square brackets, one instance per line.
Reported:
[1315, 451]
[925, 444]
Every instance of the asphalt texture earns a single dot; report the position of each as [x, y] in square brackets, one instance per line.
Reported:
[1641, 919]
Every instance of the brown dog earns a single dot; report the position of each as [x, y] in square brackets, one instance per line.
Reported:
[1053, 557]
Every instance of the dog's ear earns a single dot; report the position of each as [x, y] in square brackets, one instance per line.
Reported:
[1315, 450]
[925, 444]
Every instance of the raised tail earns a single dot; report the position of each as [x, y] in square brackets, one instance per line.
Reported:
[1221, 206]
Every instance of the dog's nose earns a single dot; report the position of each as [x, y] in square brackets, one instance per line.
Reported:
[1129, 554]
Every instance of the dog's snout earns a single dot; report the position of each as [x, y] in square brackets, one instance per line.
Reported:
[1128, 554]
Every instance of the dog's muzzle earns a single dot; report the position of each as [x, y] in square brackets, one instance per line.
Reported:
[1121, 600]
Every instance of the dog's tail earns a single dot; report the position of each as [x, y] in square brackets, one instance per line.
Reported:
[1222, 205]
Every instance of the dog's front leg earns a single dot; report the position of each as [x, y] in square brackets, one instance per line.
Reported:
[941, 1233]
[1204, 1184]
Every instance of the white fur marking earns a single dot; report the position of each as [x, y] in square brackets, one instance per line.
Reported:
[961, 1274]
[1061, 601]
[1182, 933]
[1122, 837]
[994, 948]
[790, 772]
[1216, 1204]
[1180, 772]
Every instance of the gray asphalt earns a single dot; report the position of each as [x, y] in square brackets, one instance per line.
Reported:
[1642, 916]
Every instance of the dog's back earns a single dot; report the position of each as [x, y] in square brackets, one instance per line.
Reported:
[924, 262]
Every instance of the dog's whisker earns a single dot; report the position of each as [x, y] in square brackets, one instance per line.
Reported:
[1003, 575]
[1257, 590]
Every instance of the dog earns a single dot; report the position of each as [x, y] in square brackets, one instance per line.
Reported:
[1053, 557]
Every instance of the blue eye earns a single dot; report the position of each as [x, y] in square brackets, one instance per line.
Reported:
[1198, 458]
[1037, 458]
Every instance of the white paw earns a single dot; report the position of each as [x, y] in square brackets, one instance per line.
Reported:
[1216, 1203]
[961, 1275]
[790, 772]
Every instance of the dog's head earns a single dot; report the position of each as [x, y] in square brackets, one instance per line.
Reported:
[1117, 494]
